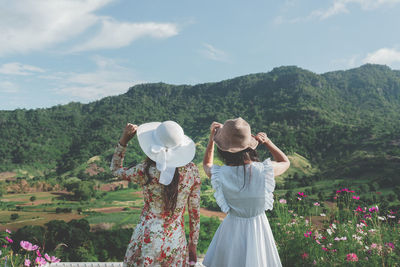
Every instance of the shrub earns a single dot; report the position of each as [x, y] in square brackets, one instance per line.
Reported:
[14, 216]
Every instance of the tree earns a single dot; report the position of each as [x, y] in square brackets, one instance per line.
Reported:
[14, 216]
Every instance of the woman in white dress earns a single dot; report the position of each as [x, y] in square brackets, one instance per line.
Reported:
[243, 189]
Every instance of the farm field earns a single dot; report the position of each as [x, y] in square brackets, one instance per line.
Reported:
[122, 206]
[116, 209]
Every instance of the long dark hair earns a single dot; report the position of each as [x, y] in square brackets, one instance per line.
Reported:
[170, 192]
[239, 159]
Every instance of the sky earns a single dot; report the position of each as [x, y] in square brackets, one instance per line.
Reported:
[54, 52]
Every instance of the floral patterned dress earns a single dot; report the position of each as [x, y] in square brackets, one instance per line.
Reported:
[159, 237]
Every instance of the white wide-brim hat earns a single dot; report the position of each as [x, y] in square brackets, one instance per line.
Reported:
[166, 144]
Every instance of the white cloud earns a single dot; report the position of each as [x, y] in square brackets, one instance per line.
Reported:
[28, 25]
[383, 56]
[213, 53]
[115, 34]
[338, 7]
[34, 25]
[341, 6]
[8, 87]
[15, 68]
[110, 78]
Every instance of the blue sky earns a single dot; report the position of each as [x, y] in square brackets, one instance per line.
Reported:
[57, 51]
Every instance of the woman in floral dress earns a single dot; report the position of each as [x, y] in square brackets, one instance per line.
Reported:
[170, 181]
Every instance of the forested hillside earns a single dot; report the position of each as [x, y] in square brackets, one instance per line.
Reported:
[346, 123]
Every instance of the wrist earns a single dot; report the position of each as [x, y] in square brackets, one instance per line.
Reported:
[123, 142]
[267, 142]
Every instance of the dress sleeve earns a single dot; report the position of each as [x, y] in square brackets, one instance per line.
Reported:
[194, 206]
[216, 184]
[269, 184]
[134, 174]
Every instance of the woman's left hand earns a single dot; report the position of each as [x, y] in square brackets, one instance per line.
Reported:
[128, 133]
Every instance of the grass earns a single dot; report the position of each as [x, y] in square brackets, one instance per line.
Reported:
[299, 165]
[122, 195]
[32, 218]
[118, 218]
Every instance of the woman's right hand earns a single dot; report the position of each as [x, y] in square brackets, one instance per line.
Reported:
[213, 128]
[128, 133]
[262, 138]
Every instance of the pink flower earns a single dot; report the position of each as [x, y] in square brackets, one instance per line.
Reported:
[352, 257]
[308, 234]
[304, 256]
[374, 209]
[51, 259]
[390, 245]
[9, 240]
[38, 253]
[28, 246]
[359, 209]
[302, 194]
[356, 197]
[40, 261]
[8, 231]
[317, 204]
[27, 262]
[282, 201]
[325, 249]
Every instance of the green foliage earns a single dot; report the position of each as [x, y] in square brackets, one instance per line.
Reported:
[74, 242]
[308, 234]
[14, 216]
[324, 118]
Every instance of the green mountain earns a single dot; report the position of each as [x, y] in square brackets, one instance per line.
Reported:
[345, 123]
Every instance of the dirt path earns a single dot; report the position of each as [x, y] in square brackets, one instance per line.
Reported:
[211, 213]
[7, 175]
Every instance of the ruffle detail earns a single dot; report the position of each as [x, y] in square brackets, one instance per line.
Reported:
[219, 195]
[269, 184]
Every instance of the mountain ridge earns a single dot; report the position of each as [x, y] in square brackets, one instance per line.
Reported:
[323, 117]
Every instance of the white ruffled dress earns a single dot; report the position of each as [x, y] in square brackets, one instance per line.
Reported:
[244, 238]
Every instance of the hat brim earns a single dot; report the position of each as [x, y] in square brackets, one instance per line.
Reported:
[177, 157]
[224, 144]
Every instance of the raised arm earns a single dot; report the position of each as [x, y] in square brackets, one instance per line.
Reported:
[116, 167]
[209, 154]
[281, 162]
[194, 214]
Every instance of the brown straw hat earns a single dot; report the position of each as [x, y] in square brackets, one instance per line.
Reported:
[235, 136]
